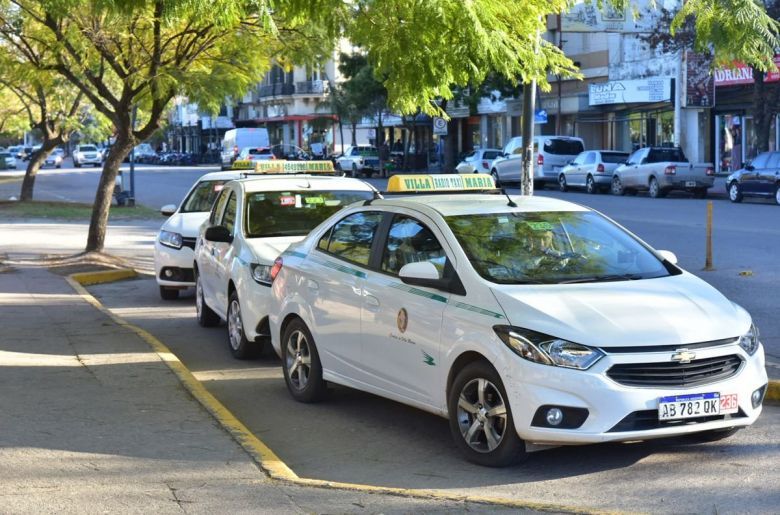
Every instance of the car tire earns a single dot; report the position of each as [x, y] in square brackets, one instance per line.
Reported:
[494, 173]
[301, 363]
[240, 346]
[617, 186]
[590, 185]
[206, 316]
[169, 293]
[777, 194]
[354, 170]
[476, 392]
[77, 165]
[714, 435]
[654, 189]
[562, 183]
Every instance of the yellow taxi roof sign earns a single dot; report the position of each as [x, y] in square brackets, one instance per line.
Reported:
[442, 182]
[281, 166]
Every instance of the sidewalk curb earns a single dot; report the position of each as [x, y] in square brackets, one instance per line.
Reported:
[267, 460]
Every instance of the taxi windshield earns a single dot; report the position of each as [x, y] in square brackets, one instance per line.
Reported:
[202, 196]
[294, 213]
[552, 248]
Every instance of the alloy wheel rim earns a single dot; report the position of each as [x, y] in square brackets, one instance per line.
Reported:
[235, 329]
[198, 298]
[617, 187]
[777, 195]
[733, 192]
[481, 415]
[589, 184]
[653, 188]
[298, 360]
[562, 182]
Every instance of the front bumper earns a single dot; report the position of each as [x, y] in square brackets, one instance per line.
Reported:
[178, 261]
[616, 412]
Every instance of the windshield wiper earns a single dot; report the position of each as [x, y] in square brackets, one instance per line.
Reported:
[603, 278]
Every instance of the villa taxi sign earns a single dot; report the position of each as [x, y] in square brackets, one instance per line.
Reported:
[443, 182]
[281, 166]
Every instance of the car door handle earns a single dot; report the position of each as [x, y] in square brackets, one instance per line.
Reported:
[313, 286]
[371, 302]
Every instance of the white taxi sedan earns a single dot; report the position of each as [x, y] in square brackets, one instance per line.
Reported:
[251, 223]
[526, 322]
[175, 244]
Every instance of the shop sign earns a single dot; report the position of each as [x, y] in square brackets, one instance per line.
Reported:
[740, 73]
[586, 16]
[540, 116]
[699, 81]
[630, 91]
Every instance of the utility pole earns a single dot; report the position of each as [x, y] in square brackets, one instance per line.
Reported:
[527, 183]
[560, 94]
[131, 199]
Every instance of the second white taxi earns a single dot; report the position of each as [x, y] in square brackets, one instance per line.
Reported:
[526, 321]
[251, 223]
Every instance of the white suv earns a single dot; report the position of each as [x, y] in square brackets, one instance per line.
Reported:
[551, 154]
[87, 155]
[252, 222]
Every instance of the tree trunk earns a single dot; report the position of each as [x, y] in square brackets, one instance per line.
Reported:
[765, 99]
[353, 127]
[105, 190]
[36, 161]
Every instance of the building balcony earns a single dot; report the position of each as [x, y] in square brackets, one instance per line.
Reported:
[276, 90]
[312, 87]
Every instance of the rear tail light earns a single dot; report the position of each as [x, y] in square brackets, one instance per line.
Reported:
[540, 160]
[485, 165]
[276, 268]
[600, 168]
[670, 170]
[710, 171]
[250, 157]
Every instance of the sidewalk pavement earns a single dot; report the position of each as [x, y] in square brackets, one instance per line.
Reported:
[91, 420]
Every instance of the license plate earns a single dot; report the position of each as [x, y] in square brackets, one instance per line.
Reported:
[690, 184]
[694, 405]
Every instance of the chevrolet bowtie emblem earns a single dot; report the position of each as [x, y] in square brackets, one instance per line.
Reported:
[683, 356]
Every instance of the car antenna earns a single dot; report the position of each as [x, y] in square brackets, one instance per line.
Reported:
[511, 202]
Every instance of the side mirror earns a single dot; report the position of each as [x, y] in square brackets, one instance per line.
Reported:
[168, 209]
[219, 234]
[669, 256]
[750, 168]
[424, 270]
[628, 163]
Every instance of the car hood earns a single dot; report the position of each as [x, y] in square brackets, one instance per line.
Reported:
[186, 224]
[671, 310]
[268, 249]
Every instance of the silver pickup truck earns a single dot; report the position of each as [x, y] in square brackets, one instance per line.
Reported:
[658, 170]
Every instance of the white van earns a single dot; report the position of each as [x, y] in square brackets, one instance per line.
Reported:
[237, 139]
[551, 154]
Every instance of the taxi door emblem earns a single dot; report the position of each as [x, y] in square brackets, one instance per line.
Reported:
[402, 320]
[683, 356]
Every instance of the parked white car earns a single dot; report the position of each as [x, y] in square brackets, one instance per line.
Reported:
[87, 155]
[478, 161]
[591, 170]
[659, 170]
[251, 223]
[359, 161]
[174, 249]
[526, 322]
[551, 154]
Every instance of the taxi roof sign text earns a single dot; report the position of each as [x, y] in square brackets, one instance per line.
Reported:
[443, 182]
[274, 166]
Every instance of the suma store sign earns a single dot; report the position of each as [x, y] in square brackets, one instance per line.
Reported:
[630, 91]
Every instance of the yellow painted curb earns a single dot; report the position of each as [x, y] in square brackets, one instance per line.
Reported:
[773, 391]
[105, 276]
[269, 462]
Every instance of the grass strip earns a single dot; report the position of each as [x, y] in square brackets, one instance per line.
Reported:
[70, 211]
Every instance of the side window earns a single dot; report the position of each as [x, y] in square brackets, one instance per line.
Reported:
[355, 152]
[590, 158]
[580, 159]
[761, 160]
[218, 207]
[351, 238]
[774, 160]
[325, 240]
[409, 241]
[229, 218]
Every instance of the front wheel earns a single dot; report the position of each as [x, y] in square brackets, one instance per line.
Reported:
[240, 346]
[480, 418]
[354, 170]
[301, 364]
[562, 183]
[206, 316]
[735, 193]
[617, 186]
[777, 194]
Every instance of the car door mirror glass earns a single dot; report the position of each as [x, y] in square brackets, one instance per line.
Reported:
[218, 233]
[420, 270]
[168, 209]
[669, 256]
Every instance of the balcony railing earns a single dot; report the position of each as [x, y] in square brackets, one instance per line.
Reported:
[276, 89]
[311, 87]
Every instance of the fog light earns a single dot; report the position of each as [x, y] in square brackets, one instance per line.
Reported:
[757, 397]
[169, 273]
[554, 416]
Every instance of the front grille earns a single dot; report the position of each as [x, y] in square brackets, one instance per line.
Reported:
[672, 374]
[648, 419]
[188, 242]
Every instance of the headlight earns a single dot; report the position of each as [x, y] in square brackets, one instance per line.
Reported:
[547, 350]
[749, 340]
[170, 239]
[261, 274]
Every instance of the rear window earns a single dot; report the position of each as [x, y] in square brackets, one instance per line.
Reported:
[614, 157]
[259, 151]
[492, 154]
[294, 213]
[202, 197]
[88, 148]
[660, 155]
[563, 147]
